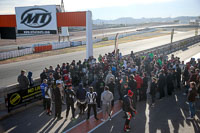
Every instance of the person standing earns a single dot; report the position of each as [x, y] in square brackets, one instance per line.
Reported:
[111, 86]
[99, 89]
[70, 99]
[132, 84]
[161, 84]
[139, 82]
[191, 99]
[48, 98]
[128, 109]
[30, 79]
[178, 76]
[43, 87]
[108, 78]
[58, 101]
[23, 80]
[153, 88]
[106, 98]
[91, 97]
[169, 81]
[62, 88]
[43, 75]
[81, 98]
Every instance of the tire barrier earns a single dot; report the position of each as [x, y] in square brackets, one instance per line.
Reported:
[75, 44]
[15, 53]
[61, 45]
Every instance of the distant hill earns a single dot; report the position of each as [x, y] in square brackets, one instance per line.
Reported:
[129, 20]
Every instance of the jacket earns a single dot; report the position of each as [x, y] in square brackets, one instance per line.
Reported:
[81, 94]
[139, 81]
[58, 101]
[192, 95]
[106, 97]
[70, 96]
[153, 88]
[108, 77]
[91, 97]
[127, 103]
[43, 87]
[161, 81]
[23, 82]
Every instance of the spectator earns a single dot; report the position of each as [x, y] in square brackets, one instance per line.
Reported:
[23, 81]
[111, 87]
[58, 101]
[153, 91]
[178, 76]
[70, 100]
[128, 109]
[51, 70]
[48, 98]
[191, 99]
[43, 75]
[30, 79]
[99, 88]
[161, 84]
[169, 81]
[81, 98]
[61, 88]
[106, 98]
[91, 97]
[43, 87]
[139, 82]
[108, 77]
[132, 84]
[144, 86]
[57, 74]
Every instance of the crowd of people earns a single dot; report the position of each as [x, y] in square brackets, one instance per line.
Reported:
[94, 83]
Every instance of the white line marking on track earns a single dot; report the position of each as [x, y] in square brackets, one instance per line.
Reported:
[104, 122]
[80, 123]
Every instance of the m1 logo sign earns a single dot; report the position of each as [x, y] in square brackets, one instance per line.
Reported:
[36, 20]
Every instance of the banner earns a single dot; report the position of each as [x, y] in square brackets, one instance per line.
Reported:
[21, 97]
[36, 19]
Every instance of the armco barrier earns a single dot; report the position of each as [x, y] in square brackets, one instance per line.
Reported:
[76, 43]
[15, 53]
[164, 49]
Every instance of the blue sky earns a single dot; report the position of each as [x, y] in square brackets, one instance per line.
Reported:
[112, 9]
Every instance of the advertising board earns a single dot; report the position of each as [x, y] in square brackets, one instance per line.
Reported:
[36, 19]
